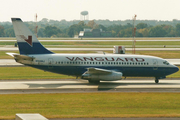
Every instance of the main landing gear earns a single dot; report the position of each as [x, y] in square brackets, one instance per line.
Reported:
[94, 81]
[156, 80]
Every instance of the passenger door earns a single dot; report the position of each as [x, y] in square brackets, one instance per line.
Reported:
[155, 64]
[50, 63]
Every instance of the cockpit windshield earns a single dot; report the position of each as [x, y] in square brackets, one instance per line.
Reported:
[166, 62]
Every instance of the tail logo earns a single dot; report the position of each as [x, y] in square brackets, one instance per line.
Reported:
[28, 40]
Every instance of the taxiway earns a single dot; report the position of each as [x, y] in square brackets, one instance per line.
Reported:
[78, 86]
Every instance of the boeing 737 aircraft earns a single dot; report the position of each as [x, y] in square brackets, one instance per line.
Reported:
[92, 67]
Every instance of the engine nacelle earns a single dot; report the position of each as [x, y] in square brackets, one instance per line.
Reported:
[103, 77]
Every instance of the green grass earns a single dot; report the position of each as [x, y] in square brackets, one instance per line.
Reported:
[113, 38]
[84, 43]
[161, 43]
[162, 54]
[80, 105]
[25, 73]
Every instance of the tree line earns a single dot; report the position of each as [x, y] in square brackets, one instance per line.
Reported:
[63, 28]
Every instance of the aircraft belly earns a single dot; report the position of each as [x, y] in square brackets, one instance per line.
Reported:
[126, 71]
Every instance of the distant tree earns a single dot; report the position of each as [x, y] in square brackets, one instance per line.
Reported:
[41, 32]
[170, 31]
[157, 31]
[91, 24]
[125, 33]
[9, 32]
[2, 33]
[102, 27]
[72, 30]
[115, 29]
[178, 29]
[51, 30]
[141, 26]
[142, 32]
[76, 28]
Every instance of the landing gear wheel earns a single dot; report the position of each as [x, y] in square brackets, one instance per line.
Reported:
[94, 81]
[156, 80]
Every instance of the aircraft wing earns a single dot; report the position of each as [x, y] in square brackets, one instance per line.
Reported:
[98, 71]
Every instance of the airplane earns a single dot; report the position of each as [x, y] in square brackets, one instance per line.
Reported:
[91, 67]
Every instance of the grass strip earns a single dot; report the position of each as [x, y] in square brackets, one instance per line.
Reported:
[26, 73]
[113, 38]
[80, 105]
[104, 43]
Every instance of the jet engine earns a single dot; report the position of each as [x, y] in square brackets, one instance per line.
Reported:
[113, 76]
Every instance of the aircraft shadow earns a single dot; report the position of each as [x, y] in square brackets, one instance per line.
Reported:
[103, 86]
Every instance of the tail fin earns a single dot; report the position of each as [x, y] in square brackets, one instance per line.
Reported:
[27, 41]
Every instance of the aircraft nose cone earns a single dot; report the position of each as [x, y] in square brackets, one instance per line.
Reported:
[176, 69]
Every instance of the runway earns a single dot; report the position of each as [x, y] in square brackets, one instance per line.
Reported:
[82, 86]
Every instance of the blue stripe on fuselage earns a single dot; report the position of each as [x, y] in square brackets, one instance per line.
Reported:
[36, 48]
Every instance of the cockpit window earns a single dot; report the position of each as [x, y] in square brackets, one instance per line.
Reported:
[166, 62]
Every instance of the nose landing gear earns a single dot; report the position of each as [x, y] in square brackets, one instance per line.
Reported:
[156, 80]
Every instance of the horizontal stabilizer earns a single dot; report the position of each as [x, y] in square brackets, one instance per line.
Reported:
[21, 58]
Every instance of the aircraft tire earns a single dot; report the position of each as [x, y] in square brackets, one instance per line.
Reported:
[94, 81]
[156, 80]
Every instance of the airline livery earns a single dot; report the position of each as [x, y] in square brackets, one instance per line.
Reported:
[91, 67]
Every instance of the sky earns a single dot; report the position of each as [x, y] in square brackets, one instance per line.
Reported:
[98, 9]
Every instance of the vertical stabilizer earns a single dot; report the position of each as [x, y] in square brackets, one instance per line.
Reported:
[27, 41]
